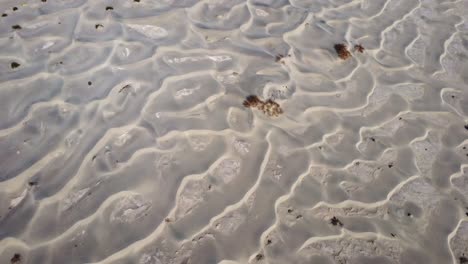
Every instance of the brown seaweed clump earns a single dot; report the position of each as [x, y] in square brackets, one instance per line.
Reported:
[15, 259]
[342, 51]
[252, 101]
[269, 107]
[359, 48]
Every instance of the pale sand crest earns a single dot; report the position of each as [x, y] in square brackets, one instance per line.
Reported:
[124, 139]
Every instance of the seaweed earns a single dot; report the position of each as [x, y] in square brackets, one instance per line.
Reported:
[252, 101]
[463, 260]
[342, 51]
[359, 48]
[269, 107]
[15, 259]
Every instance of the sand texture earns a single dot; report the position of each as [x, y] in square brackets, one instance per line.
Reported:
[234, 131]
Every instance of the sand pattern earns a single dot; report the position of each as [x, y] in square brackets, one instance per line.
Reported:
[126, 136]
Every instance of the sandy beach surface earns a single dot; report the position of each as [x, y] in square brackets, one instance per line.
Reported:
[234, 131]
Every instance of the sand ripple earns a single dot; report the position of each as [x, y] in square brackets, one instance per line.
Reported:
[123, 138]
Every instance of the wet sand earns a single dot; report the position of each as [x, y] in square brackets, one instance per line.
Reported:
[127, 134]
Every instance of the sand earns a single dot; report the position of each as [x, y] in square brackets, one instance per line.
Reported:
[125, 138]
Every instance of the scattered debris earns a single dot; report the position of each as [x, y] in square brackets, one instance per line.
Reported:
[278, 57]
[359, 48]
[16, 258]
[335, 221]
[14, 65]
[342, 51]
[16, 27]
[270, 107]
[124, 88]
[32, 183]
[463, 260]
[252, 101]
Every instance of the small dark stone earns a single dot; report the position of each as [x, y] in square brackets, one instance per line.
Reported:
[268, 242]
[390, 165]
[393, 235]
[15, 8]
[98, 26]
[466, 213]
[16, 258]
[109, 8]
[16, 27]
[373, 139]
[335, 221]
[44, 1]
[290, 211]
[138, 1]
[466, 126]
[15, 65]
[408, 214]
[90, 83]
[259, 257]
[4, 15]
[298, 216]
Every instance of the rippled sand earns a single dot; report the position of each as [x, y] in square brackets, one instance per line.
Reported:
[124, 138]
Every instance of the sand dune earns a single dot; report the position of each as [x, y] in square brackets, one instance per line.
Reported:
[125, 138]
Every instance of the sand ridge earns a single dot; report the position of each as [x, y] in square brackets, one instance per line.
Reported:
[124, 137]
